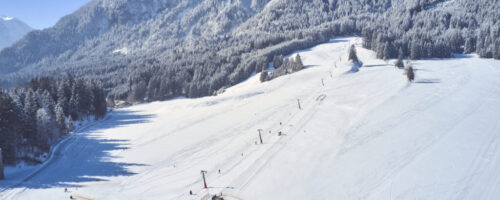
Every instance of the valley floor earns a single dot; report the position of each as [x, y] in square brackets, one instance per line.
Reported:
[363, 135]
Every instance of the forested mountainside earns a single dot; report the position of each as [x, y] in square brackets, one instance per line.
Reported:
[11, 30]
[158, 49]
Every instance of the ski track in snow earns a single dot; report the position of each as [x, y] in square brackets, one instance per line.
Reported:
[364, 135]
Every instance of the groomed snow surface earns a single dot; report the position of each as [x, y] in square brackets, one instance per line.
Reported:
[363, 135]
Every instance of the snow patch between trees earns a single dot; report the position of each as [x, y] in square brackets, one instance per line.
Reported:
[123, 51]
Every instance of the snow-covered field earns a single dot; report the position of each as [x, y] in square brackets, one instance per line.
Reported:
[363, 135]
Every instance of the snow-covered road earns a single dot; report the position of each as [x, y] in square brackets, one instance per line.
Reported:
[364, 135]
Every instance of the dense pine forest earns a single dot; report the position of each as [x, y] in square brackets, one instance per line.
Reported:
[35, 117]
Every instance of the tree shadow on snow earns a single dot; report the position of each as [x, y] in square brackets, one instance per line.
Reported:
[310, 66]
[379, 65]
[428, 81]
[86, 157]
[354, 68]
[461, 56]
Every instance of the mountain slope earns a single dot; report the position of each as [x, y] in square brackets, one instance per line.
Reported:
[11, 30]
[364, 135]
[112, 21]
[195, 48]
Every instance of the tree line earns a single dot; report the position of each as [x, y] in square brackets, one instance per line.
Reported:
[33, 118]
[282, 66]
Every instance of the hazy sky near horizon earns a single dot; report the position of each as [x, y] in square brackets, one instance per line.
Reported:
[39, 14]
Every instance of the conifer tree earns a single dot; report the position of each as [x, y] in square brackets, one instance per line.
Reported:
[410, 74]
[10, 126]
[469, 46]
[298, 65]
[60, 117]
[263, 76]
[48, 102]
[64, 94]
[74, 102]
[399, 63]
[70, 125]
[278, 61]
[353, 54]
[30, 104]
[414, 51]
[99, 100]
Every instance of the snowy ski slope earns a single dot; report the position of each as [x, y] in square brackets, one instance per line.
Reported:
[364, 135]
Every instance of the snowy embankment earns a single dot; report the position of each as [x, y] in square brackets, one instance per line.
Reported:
[363, 135]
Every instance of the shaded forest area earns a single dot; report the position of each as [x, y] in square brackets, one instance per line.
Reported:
[35, 117]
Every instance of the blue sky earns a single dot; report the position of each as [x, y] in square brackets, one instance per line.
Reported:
[39, 13]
